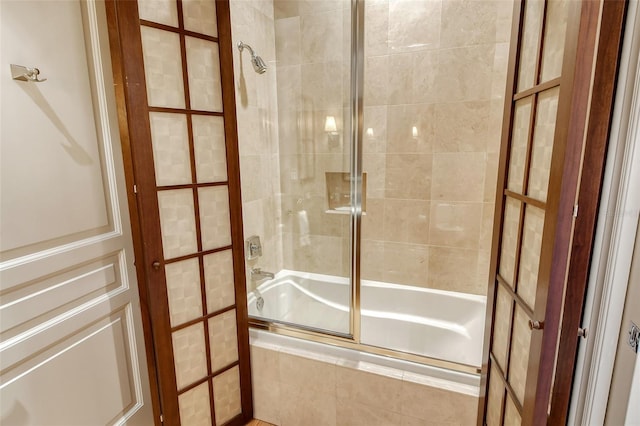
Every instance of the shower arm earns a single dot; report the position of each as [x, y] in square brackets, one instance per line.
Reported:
[242, 45]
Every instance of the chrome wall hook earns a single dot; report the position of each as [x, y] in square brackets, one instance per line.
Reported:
[22, 73]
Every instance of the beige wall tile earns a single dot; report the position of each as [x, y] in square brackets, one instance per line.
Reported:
[372, 260]
[438, 405]
[288, 41]
[465, 73]
[406, 221]
[401, 121]
[458, 176]
[352, 413]
[468, 22]
[376, 30]
[266, 403]
[368, 388]
[285, 8]
[462, 126]
[453, 269]
[455, 224]
[373, 221]
[408, 176]
[299, 407]
[400, 84]
[322, 36]
[406, 264]
[376, 74]
[375, 129]
[414, 25]
[304, 373]
[425, 69]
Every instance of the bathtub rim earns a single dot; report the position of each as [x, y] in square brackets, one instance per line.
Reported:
[347, 341]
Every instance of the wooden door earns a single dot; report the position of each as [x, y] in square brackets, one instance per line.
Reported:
[174, 76]
[554, 139]
[71, 341]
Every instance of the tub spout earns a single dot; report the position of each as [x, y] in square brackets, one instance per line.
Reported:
[258, 274]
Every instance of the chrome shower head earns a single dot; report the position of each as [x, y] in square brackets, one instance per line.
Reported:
[259, 65]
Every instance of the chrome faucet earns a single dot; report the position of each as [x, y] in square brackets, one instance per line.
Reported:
[258, 274]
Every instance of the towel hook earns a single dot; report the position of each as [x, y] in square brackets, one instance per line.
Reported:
[22, 73]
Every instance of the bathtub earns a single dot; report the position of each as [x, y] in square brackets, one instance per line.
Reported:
[433, 323]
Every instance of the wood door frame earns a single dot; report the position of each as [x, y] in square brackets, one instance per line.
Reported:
[131, 95]
[589, 183]
[591, 56]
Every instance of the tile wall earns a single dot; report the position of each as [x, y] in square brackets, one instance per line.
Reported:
[258, 136]
[435, 74]
[295, 388]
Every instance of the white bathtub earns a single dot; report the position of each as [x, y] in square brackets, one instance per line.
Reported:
[434, 323]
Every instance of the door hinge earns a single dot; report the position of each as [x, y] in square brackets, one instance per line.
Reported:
[161, 418]
[575, 211]
[135, 189]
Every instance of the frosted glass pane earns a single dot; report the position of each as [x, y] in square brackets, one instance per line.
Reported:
[495, 398]
[226, 395]
[203, 65]
[554, 38]
[200, 16]
[183, 291]
[160, 11]
[218, 277]
[195, 406]
[214, 217]
[543, 139]
[210, 149]
[189, 354]
[177, 222]
[509, 240]
[162, 68]
[170, 148]
[501, 327]
[519, 359]
[530, 256]
[530, 42]
[519, 139]
[223, 340]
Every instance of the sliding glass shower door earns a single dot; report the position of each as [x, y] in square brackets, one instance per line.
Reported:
[294, 137]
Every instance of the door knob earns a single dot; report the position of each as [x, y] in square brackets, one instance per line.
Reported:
[536, 325]
[156, 264]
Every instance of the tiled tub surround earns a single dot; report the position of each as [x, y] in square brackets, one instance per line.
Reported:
[438, 324]
[296, 382]
[258, 134]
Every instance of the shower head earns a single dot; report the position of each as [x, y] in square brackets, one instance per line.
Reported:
[259, 65]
